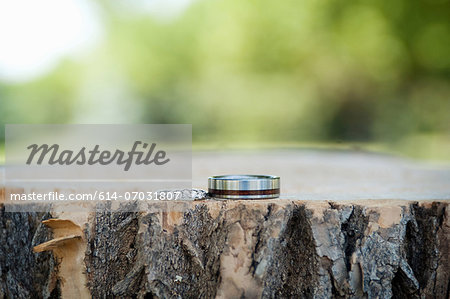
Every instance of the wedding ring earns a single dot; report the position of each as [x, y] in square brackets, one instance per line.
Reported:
[244, 186]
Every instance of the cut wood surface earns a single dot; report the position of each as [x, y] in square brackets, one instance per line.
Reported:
[348, 225]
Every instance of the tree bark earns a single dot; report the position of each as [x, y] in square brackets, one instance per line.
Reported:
[231, 249]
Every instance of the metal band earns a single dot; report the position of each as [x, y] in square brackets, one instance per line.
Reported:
[244, 186]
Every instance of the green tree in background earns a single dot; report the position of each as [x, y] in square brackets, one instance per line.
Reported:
[260, 71]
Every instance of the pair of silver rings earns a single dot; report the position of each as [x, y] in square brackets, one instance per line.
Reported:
[244, 186]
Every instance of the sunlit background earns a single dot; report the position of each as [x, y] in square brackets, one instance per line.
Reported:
[370, 75]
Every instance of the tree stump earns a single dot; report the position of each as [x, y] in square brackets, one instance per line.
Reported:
[322, 247]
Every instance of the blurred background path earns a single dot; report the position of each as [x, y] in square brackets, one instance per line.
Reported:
[331, 175]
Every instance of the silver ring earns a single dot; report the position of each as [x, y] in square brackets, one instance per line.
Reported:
[244, 186]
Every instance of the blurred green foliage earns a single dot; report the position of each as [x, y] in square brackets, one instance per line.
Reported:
[259, 71]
